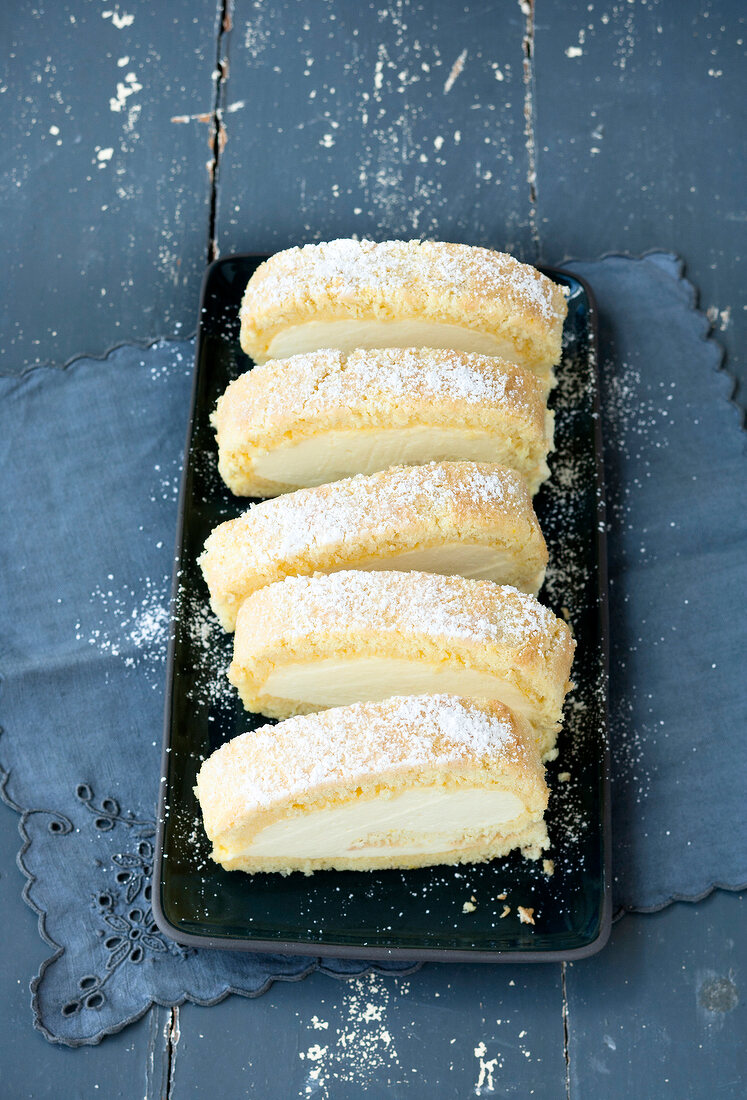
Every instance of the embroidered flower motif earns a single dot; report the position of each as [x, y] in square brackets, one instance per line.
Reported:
[138, 932]
[136, 870]
[108, 812]
[128, 930]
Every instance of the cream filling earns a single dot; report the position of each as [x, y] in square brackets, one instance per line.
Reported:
[333, 682]
[451, 559]
[419, 820]
[350, 334]
[330, 456]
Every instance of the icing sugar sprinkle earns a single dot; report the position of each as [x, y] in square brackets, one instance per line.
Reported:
[336, 749]
[435, 605]
[351, 265]
[313, 384]
[441, 373]
[133, 624]
[360, 1048]
[289, 524]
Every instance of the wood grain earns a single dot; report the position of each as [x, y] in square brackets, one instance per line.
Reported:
[105, 199]
[548, 129]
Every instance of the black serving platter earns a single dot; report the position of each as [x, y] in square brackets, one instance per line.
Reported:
[416, 914]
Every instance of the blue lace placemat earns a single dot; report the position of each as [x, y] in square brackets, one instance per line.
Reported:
[91, 460]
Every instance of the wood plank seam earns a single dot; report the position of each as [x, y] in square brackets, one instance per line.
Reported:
[527, 45]
[158, 1058]
[566, 1046]
[173, 1034]
[218, 135]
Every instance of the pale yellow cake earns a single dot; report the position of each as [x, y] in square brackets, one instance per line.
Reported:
[307, 643]
[408, 782]
[466, 518]
[360, 294]
[328, 415]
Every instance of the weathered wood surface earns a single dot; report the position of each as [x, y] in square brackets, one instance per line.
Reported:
[550, 129]
[639, 111]
[32, 1068]
[445, 1031]
[661, 1012]
[383, 119]
[106, 200]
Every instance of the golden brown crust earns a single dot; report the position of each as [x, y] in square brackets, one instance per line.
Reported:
[457, 284]
[353, 522]
[417, 617]
[275, 407]
[366, 751]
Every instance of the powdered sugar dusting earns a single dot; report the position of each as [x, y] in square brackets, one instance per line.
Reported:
[210, 651]
[397, 508]
[326, 379]
[441, 607]
[438, 372]
[133, 624]
[349, 744]
[361, 1049]
[572, 519]
[348, 266]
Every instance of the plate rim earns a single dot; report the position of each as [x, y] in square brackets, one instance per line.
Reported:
[378, 953]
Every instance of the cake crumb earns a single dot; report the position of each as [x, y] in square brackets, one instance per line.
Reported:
[548, 866]
[469, 906]
[506, 911]
[502, 897]
[563, 777]
[526, 915]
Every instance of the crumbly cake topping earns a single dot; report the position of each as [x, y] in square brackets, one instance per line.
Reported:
[425, 604]
[437, 373]
[346, 267]
[344, 744]
[398, 503]
[387, 384]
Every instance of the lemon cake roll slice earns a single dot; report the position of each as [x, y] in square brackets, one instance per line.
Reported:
[361, 294]
[408, 782]
[307, 643]
[328, 415]
[467, 518]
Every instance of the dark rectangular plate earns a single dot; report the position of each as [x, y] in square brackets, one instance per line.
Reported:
[392, 914]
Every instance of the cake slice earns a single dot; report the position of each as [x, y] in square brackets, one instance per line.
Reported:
[361, 294]
[408, 782]
[467, 518]
[328, 415]
[307, 643]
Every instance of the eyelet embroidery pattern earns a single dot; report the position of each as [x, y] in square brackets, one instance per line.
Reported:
[88, 866]
[128, 930]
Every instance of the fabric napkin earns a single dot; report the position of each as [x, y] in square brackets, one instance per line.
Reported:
[91, 456]
[675, 472]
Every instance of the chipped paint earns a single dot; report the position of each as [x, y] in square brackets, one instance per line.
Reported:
[361, 1049]
[120, 21]
[455, 73]
[125, 88]
[203, 116]
[527, 8]
[486, 1069]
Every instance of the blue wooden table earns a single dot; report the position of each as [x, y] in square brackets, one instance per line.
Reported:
[143, 140]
